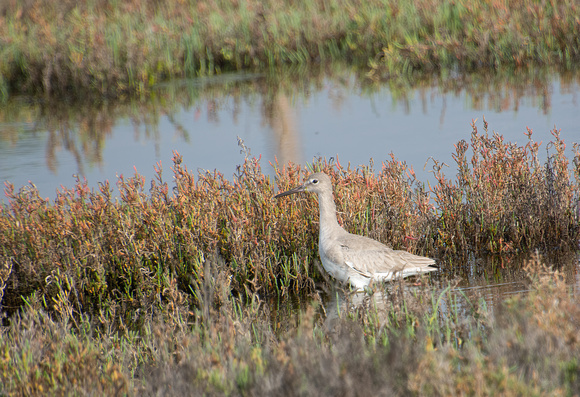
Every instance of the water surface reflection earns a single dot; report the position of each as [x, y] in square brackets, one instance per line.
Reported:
[292, 116]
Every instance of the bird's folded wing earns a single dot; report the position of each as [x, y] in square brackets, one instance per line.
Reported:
[374, 261]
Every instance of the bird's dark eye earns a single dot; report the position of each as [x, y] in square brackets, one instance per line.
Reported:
[314, 181]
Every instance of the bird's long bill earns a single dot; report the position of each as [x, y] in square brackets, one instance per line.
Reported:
[297, 189]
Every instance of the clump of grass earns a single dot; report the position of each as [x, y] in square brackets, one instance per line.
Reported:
[105, 48]
[46, 355]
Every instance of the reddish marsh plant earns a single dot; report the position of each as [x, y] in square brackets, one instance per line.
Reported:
[504, 200]
[151, 248]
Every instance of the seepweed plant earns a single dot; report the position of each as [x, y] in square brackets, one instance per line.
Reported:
[505, 200]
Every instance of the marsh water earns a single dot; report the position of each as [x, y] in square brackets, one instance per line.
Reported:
[480, 280]
[293, 116]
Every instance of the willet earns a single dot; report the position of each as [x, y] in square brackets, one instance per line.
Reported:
[351, 258]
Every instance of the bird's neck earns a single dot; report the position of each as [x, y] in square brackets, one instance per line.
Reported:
[328, 221]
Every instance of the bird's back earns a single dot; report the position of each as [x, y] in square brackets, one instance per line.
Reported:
[371, 258]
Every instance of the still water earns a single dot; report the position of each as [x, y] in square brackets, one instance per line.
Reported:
[336, 114]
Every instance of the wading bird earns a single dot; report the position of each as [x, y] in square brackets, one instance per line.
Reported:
[351, 258]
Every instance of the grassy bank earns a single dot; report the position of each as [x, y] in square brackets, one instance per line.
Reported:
[114, 48]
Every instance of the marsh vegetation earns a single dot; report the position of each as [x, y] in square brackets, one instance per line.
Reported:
[104, 47]
[166, 288]
[204, 284]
